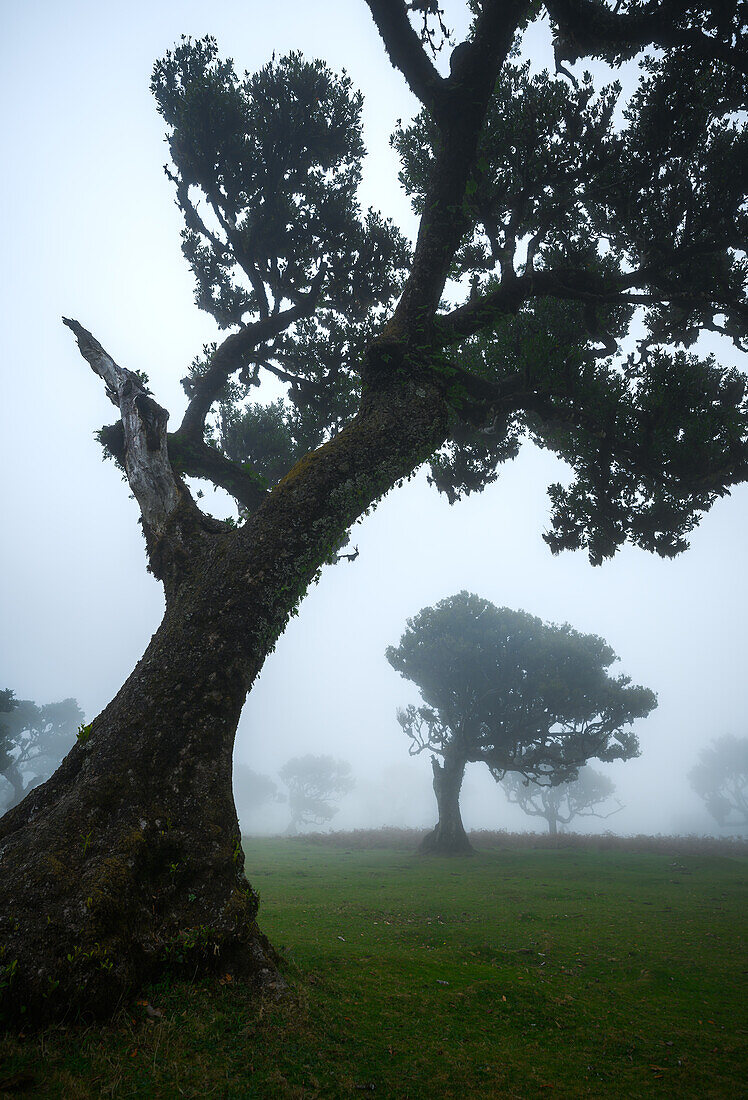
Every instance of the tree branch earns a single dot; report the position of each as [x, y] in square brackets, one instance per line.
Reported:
[588, 27]
[461, 116]
[196, 458]
[575, 284]
[235, 352]
[146, 459]
[407, 54]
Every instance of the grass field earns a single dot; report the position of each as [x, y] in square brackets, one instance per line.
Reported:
[566, 972]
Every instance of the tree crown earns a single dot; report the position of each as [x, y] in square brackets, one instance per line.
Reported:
[572, 247]
[521, 695]
[314, 783]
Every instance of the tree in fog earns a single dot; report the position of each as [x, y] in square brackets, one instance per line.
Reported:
[553, 228]
[560, 804]
[253, 793]
[33, 741]
[315, 784]
[720, 777]
[7, 703]
[504, 688]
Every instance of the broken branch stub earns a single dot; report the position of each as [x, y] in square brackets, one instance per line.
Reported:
[144, 422]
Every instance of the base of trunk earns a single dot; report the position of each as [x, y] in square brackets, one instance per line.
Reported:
[446, 842]
[98, 900]
[90, 952]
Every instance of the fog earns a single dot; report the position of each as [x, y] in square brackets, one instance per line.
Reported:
[91, 231]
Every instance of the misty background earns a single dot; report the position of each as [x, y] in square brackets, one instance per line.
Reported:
[90, 230]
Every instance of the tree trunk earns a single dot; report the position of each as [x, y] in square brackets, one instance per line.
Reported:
[128, 860]
[552, 824]
[15, 779]
[448, 838]
[127, 863]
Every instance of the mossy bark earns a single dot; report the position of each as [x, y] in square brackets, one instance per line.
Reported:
[448, 837]
[127, 863]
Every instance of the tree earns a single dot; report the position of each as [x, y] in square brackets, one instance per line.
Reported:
[33, 741]
[313, 783]
[721, 778]
[560, 804]
[253, 791]
[8, 702]
[549, 231]
[518, 694]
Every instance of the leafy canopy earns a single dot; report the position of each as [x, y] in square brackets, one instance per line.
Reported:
[521, 695]
[637, 228]
[590, 239]
[267, 169]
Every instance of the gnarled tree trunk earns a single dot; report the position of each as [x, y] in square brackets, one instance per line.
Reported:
[127, 863]
[448, 837]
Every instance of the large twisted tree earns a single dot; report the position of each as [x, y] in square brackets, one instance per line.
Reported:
[548, 226]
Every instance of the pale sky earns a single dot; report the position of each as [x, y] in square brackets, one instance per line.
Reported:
[91, 231]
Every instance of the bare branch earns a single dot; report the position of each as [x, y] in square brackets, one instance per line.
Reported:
[144, 422]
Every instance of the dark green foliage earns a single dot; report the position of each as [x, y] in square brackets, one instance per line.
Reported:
[7, 700]
[314, 783]
[559, 805]
[587, 220]
[33, 741]
[276, 158]
[505, 688]
[562, 191]
[721, 778]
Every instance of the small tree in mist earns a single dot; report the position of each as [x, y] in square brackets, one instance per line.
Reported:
[560, 804]
[33, 741]
[518, 694]
[314, 784]
[721, 778]
[253, 792]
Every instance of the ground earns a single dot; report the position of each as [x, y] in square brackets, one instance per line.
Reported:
[582, 970]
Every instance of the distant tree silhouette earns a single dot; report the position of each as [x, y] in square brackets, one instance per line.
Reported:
[560, 804]
[33, 741]
[505, 688]
[314, 783]
[253, 791]
[721, 778]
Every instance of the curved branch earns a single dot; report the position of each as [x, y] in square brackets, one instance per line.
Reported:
[196, 458]
[407, 54]
[575, 284]
[589, 28]
[235, 352]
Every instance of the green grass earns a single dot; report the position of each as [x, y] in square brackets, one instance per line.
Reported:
[517, 973]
